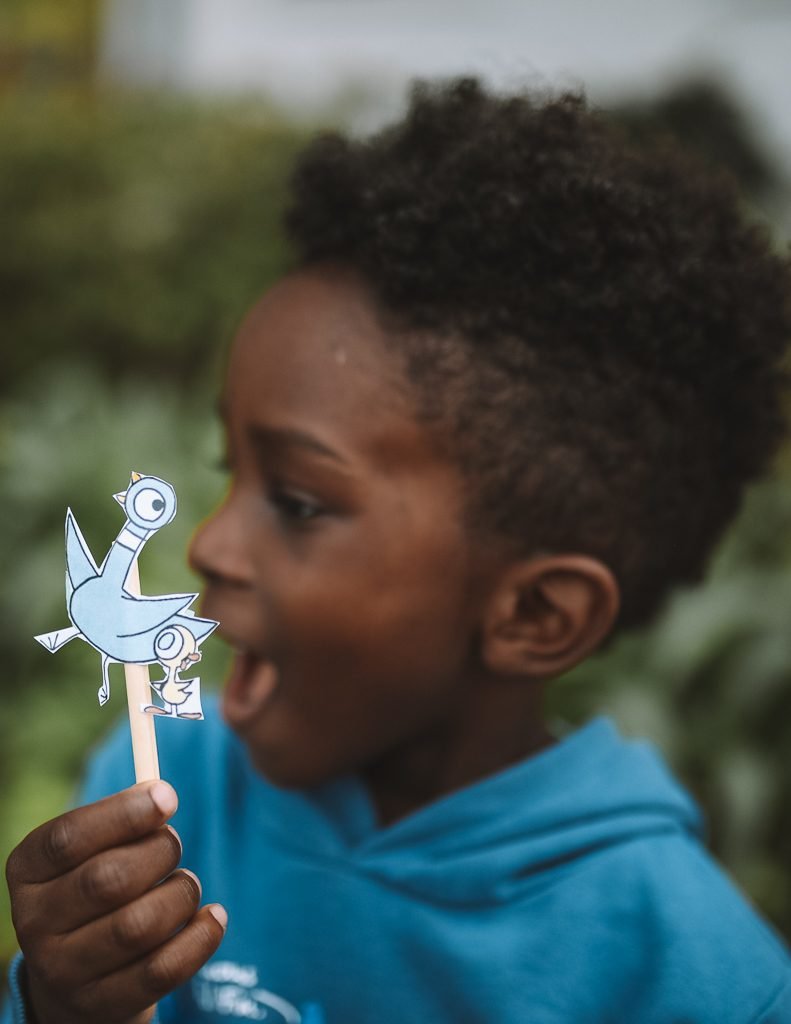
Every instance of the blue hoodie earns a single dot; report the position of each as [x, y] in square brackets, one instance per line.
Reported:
[569, 888]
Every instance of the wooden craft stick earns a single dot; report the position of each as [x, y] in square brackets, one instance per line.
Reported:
[138, 694]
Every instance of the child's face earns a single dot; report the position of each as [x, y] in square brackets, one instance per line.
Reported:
[338, 565]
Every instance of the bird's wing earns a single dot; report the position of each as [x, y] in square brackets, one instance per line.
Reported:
[141, 614]
[200, 628]
[80, 565]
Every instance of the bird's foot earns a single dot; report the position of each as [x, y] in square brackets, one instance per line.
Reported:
[152, 709]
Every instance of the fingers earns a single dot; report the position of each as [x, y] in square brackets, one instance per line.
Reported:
[144, 982]
[131, 932]
[104, 936]
[60, 845]
[102, 884]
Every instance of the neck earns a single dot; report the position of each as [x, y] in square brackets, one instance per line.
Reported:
[502, 728]
[132, 537]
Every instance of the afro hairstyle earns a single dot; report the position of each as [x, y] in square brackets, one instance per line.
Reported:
[595, 331]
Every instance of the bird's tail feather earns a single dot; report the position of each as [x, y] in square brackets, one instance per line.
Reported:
[55, 640]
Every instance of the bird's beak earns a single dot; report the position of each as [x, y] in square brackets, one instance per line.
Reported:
[121, 498]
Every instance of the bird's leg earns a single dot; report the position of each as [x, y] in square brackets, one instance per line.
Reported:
[104, 689]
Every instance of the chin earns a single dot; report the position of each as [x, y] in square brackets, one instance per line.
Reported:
[289, 770]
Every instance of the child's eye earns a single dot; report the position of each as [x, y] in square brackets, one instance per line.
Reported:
[297, 508]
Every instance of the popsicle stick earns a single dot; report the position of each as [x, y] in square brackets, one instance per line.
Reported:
[138, 693]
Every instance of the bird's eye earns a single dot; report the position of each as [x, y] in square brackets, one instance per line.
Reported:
[149, 504]
[169, 643]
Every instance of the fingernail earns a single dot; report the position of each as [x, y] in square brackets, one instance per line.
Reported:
[176, 836]
[164, 796]
[195, 877]
[219, 914]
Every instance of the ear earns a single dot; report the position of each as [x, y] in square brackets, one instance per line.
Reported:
[547, 614]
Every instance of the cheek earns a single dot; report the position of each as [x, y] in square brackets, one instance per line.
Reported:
[366, 661]
[378, 622]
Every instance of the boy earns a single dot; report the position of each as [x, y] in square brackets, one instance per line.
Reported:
[509, 395]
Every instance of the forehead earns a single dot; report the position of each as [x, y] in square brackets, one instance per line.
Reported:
[313, 356]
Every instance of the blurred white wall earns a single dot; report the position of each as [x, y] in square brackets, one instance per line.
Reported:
[307, 53]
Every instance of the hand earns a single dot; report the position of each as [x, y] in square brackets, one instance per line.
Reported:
[104, 937]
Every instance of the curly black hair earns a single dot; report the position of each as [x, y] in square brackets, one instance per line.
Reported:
[596, 329]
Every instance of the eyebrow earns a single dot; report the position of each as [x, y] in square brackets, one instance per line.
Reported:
[267, 438]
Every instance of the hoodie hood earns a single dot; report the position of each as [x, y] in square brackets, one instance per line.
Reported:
[519, 828]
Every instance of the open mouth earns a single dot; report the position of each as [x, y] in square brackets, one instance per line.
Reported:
[249, 686]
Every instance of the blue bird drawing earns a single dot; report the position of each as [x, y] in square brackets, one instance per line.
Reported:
[121, 626]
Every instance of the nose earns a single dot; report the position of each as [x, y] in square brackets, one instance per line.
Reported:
[218, 550]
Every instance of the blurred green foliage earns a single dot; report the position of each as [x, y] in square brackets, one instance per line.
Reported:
[44, 43]
[136, 231]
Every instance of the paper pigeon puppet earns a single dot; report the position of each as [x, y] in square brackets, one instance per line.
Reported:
[130, 629]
